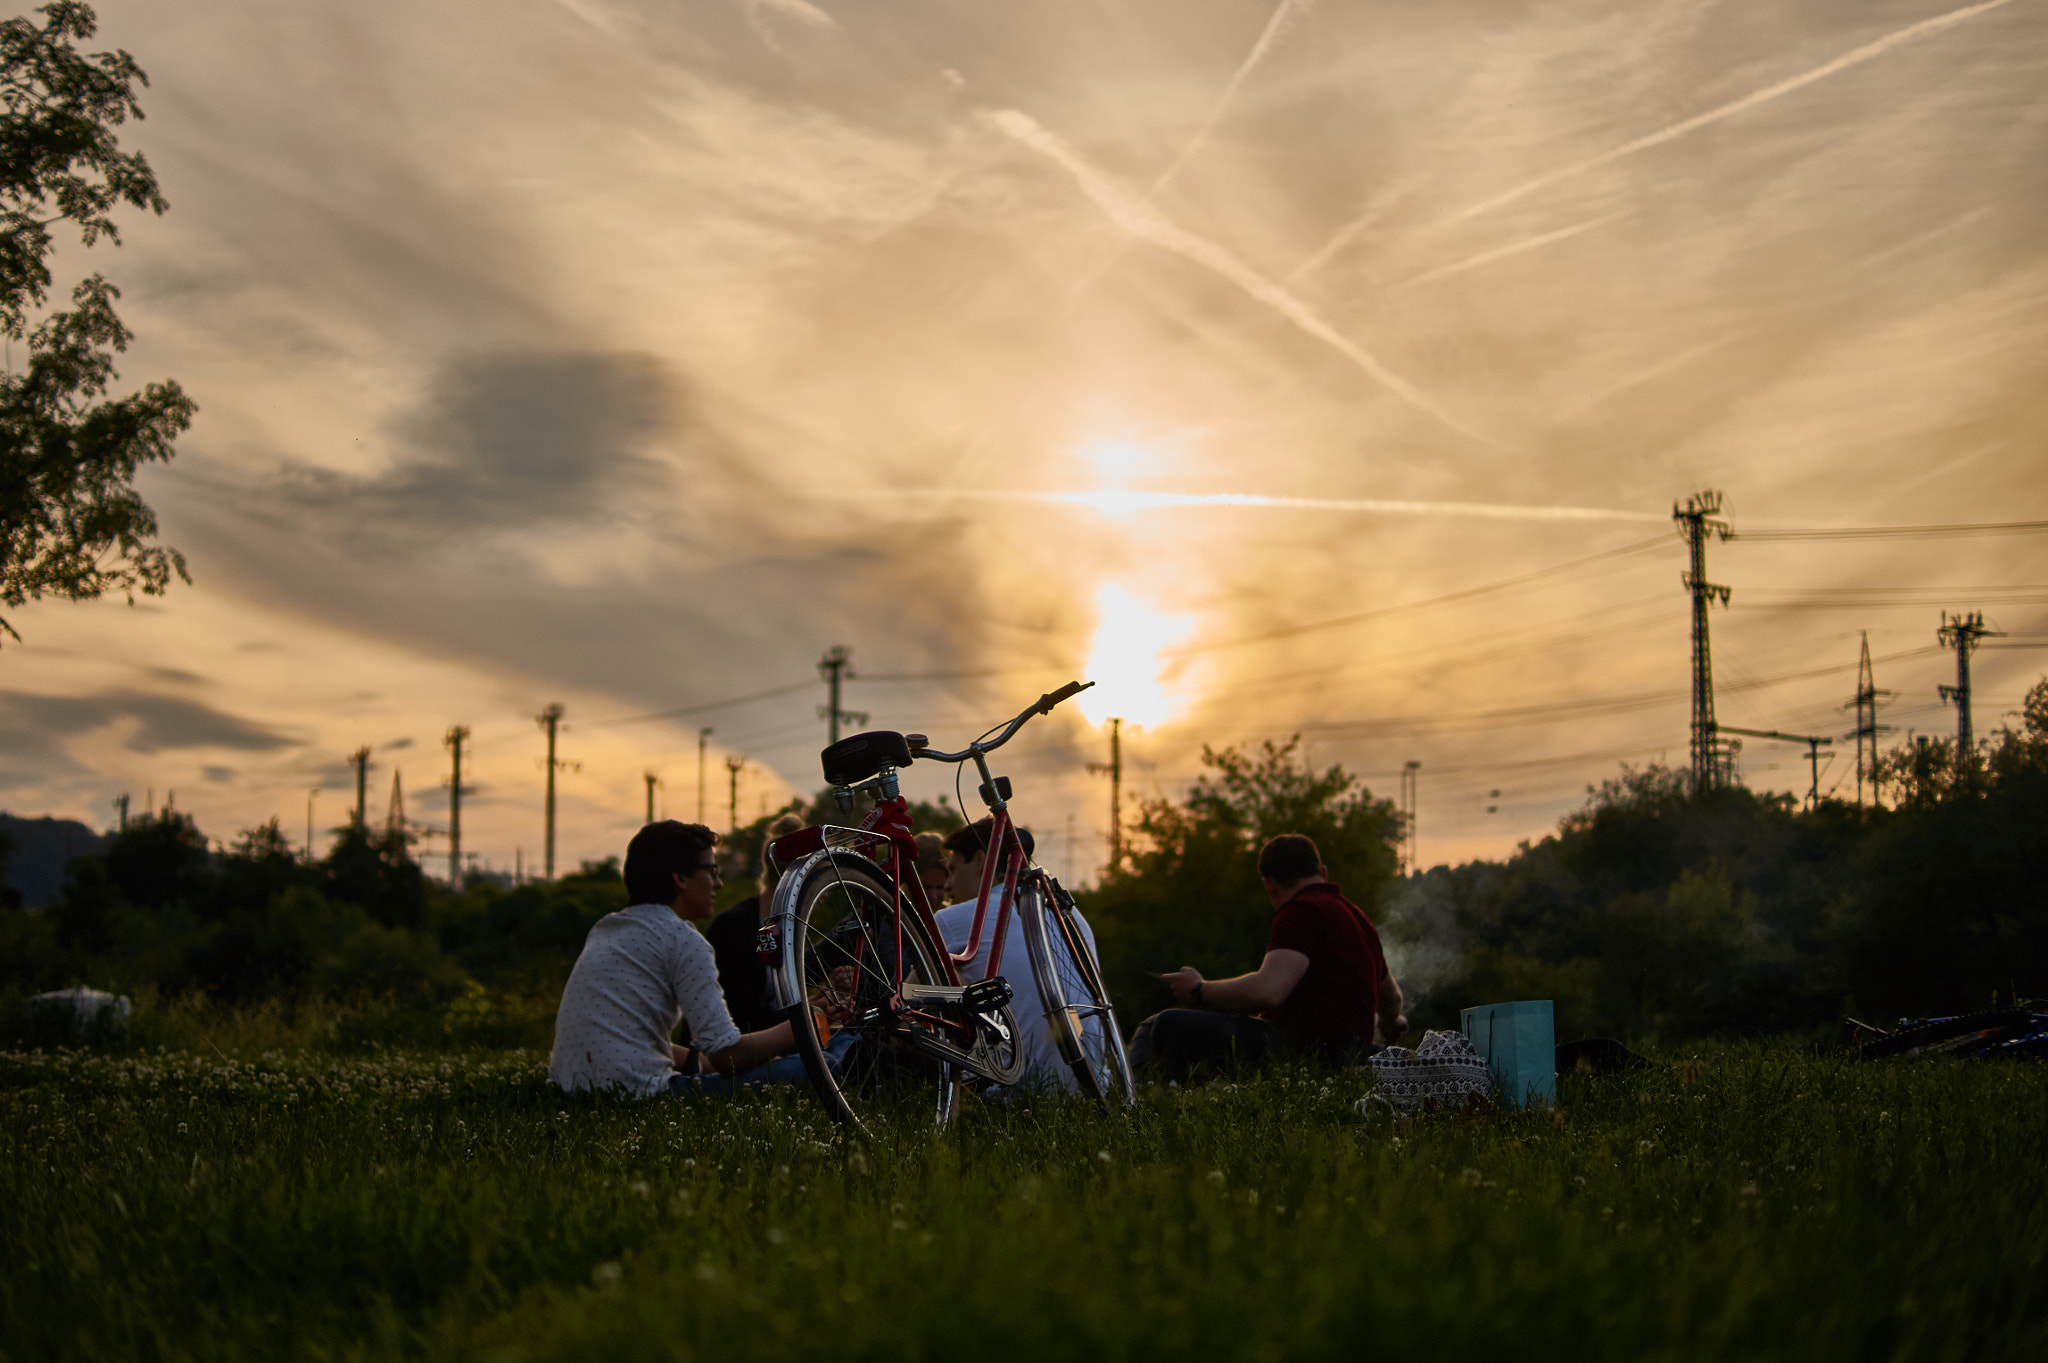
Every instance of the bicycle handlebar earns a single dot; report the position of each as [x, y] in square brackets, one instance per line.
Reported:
[1042, 706]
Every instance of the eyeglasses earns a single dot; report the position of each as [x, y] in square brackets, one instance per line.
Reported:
[712, 867]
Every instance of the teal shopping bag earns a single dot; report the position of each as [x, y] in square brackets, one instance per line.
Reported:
[1519, 1043]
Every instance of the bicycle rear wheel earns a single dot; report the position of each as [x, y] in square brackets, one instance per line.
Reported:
[1077, 1005]
[843, 936]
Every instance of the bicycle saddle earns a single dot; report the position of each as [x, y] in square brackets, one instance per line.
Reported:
[857, 758]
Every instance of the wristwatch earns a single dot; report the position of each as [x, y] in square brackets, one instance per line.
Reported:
[1196, 994]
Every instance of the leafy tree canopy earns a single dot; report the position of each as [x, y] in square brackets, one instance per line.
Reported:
[71, 522]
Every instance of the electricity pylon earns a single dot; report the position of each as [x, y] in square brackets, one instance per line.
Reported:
[550, 719]
[458, 734]
[360, 760]
[1696, 521]
[1961, 632]
[837, 666]
[1867, 727]
[1115, 768]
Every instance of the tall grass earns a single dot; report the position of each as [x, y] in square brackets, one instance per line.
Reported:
[1774, 1203]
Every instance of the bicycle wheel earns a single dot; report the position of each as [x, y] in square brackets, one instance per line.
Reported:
[843, 936]
[1077, 1006]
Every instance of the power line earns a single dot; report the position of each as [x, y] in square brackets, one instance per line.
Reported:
[1900, 532]
[699, 709]
[1505, 584]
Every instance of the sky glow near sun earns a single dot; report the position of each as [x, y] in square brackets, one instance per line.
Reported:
[1125, 662]
[630, 355]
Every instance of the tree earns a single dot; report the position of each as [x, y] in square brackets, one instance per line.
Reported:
[71, 522]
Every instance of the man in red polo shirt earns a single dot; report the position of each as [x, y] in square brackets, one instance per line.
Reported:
[1319, 991]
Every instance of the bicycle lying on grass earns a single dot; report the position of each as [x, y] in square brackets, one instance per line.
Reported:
[852, 946]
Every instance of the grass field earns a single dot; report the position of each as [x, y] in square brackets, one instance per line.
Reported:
[303, 1205]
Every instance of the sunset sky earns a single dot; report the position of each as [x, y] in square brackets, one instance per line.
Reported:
[631, 354]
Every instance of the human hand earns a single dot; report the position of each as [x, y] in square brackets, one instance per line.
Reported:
[1182, 982]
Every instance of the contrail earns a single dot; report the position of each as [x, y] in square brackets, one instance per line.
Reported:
[1502, 252]
[1117, 502]
[1642, 376]
[1854, 57]
[1349, 232]
[1284, 15]
[1139, 218]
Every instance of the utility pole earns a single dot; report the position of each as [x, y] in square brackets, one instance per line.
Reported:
[733, 763]
[836, 666]
[1696, 522]
[1411, 798]
[1115, 767]
[360, 760]
[702, 735]
[311, 795]
[1867, 727]
[652, 782]
[457, 735]
[1961, 632]
[1813, 746]
[121, 805]
[550, 719]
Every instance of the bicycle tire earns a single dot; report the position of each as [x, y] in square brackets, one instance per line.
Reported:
[1967, 1027]
[1077, 1007]
[842, 914]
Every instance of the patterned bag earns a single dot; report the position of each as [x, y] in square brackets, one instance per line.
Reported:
[1444, 1067]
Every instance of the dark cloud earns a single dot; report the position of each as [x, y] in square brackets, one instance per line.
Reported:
[176, 675]
[162, 722]
[219, 775]
[503, 440]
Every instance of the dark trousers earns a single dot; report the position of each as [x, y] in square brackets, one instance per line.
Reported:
[1170, 1044]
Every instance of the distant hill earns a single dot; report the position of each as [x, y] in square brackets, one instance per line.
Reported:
[42, 849]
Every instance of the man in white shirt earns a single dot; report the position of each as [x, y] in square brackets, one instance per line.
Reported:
[967, 854]
[643, 969]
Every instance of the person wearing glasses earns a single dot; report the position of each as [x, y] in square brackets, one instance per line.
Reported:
[643, 970]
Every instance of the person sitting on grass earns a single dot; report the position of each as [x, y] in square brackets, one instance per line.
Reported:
[642, 970]
[1317, 993]
[967, 856]
[741, 976]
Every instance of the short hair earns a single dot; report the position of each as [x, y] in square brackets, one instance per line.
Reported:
[1289, 859]
[661, 851]
[970, 842]
[783, 826]
[931, 851]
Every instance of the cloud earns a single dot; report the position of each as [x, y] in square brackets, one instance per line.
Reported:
[154, 723]
[520, 439]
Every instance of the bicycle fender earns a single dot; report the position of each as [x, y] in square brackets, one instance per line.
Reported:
[774, 941]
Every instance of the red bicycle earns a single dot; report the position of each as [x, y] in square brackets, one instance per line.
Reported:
[882, 1016]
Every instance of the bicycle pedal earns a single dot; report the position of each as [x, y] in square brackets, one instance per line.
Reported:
[986, 996]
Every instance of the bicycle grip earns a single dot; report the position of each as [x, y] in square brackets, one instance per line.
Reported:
[1067, 692]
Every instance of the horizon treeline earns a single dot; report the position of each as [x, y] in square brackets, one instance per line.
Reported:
[1654, 914]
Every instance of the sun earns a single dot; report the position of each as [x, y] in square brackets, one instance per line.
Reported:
[1124, 659]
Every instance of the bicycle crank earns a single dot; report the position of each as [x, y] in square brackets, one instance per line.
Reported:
[975, 1016]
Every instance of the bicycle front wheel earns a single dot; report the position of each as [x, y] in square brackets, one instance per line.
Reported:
[843, 936]
[1077, 1007]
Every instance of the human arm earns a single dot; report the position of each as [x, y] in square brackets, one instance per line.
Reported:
[1393, 1026]
[752, 1049]
[1264, 989]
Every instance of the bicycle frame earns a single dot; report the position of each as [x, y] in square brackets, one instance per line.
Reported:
[1005, 850]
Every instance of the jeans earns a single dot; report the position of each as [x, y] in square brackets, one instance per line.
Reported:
[1172, 1043]
[783, 1069]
